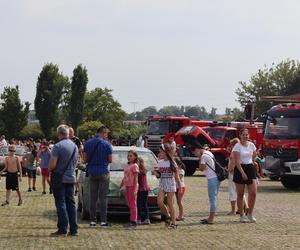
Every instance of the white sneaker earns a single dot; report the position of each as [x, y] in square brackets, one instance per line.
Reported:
[139, 222]
[93, 224]
[251, 218]
[146, 222]
[244, 219]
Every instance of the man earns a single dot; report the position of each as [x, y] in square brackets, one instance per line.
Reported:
[98, 155]
[3, 142]
[64, 159]
[207, 165]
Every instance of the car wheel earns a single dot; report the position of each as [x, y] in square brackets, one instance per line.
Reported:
[290, 182]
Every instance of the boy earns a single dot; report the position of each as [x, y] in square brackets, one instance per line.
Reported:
[12, 167]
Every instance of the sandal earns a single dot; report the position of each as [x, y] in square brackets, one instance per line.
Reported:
[179, 219]
[172, 226]
[168, 221]
[206, 222]
[5, 203]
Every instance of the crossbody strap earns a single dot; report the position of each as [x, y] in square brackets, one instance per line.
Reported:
[209, 165]
[72, 156]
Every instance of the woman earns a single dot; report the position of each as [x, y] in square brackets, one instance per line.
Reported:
[168, 173]
[244, 155]
[207, 165]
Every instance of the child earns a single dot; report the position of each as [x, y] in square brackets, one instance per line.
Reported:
[45, 154]
[12, 167]
[168, 173]
[31, 168]
[130, 181]
[142, 197]
[179, 195]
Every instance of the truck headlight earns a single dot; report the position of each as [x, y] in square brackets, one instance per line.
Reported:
[296, 166]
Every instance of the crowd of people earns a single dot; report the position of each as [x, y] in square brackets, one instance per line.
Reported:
[57, 163]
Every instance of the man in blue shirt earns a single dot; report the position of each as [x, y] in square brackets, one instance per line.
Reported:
[64, 160]
[98, 155]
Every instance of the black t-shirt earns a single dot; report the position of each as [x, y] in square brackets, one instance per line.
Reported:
[77, 141]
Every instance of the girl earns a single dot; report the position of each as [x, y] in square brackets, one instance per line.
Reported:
[168, 173]
[179, 195]
[142, 197]
[130, 181]
[244, 154]
[31, 168]
[45, 154]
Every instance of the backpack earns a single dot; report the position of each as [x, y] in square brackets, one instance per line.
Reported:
[221, 172]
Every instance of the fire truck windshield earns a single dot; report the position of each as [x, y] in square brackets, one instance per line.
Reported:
[157, 127]
[282, 128]
[215, 133]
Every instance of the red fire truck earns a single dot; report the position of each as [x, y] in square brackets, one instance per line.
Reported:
[282, 140]
[217, 137]
[161, 128]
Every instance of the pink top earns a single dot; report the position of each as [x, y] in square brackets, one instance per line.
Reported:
[143, 184]
[129, 172]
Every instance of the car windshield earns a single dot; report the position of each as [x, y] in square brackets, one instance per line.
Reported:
[156, 127]
[119, 160]
[215, 133]
[282, 128]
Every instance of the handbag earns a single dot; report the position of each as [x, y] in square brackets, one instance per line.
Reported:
[91, 156]
[221, 172]
[56, 176]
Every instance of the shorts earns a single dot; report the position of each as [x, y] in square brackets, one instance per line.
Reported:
[183, 189]
[31, 173]
[45, 172]
[249, 170]
[167, 185]
[12, 182]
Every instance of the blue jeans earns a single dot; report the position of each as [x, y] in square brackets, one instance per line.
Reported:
[213, 189]
[65, 208]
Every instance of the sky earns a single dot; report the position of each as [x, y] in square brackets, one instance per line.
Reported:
[152, 52]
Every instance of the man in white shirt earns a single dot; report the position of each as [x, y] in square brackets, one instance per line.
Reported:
[3, 142]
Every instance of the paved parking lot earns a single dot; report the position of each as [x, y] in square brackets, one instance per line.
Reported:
[277, 212]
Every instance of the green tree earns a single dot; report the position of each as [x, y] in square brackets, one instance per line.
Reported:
[78, 90]
[280, 79]
[14, 114]
[101, 106]
[170, 110]
[49, 91]
[213, 114]
[88, 129]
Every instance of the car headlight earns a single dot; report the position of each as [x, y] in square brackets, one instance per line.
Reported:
[296, 166]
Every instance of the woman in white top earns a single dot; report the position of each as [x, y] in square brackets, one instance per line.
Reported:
[244, 154]
[207, 164]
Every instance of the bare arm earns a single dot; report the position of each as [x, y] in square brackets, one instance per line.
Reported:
[109, 158]
[5, 167]
[202, 167]
[52, 163]
[135, 183]
[85, 158]
[177, 178]
[19, 167]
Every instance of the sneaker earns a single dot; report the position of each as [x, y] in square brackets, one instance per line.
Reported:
[244, 219]
[29, 190]
[105, 225]
[44, 192]
[251, 218]
[93, 224]
[20, 202]
[146, 222]
[139, 222]
[34, 189]
[73, 234]
[130, 225]
[58, 234]
[172, 226]
[5, 203]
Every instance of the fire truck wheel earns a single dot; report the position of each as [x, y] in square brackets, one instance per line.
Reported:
[290, 182]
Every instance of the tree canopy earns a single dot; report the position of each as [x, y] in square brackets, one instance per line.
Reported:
[281, 79]
[14, 115]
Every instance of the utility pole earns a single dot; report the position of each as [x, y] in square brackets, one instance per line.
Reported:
[134, 108]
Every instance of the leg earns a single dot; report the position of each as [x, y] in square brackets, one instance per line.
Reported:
[232, 194]
[145, 208]
[180, 206]
[94, 190]
[252, 189]
[213, 189]
[102, 196]
[61, 209]
[8, 192]
[71, 208]
[44, 183]
[139, 205]
[29, 182]
[240, 189]
[170, 201]
[161, 204]
[131, 199]
[19, 194]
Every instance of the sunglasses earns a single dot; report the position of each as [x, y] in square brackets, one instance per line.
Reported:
[11, 150]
